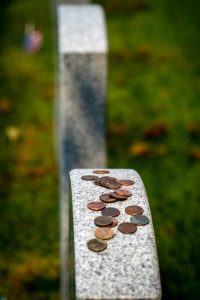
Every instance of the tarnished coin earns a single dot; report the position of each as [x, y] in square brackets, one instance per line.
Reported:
[101, 172]
[103, 221]
[107, 198]
[126, 182]
[109, 182]
[123, 192]
[96, 205]
[134, 210]
[114, 223]
[89, 177]
[117, 196]
[97, 182]
[96, 245]
[104, 233]
[127, 227]
[110, 211]
[139, 220]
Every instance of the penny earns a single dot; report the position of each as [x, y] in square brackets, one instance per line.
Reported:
[101, 172]
[134, 210]
[139, 220]
[117, 196]
[126, 182]
[96, 245]
[109, 182]
[97, 181]
[107, 198]
[103, 221]
[110, 211]
[123, 192]
[114, 223]
[127, 227]
[89, 177]
[104, 233]
[96, 205]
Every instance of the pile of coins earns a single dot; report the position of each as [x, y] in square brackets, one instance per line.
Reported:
[108, 220]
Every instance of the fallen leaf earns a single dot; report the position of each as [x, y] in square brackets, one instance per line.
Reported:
[5, 106]
[13, 133]
[140, 149]
[156, 131]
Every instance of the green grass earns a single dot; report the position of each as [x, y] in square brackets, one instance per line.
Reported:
[154, 78]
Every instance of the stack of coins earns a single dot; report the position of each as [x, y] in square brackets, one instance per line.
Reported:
[108, 220]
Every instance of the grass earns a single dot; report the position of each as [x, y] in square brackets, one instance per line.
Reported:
[153, 127]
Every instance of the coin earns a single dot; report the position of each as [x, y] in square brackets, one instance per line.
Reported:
[114, 223]
[139, 220]
[109, 182]
[126, 182]
[123, 192]
[107, 198]
[89, 177]
[117, 196]
[110, 211]
[97, 181]
[96, 245]
[96, 205]
[127, 227]
[103, 221]
[134, 210]
[104, 233]
[101, 172]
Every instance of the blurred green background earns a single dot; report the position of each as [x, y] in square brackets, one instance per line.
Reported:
[153, 127]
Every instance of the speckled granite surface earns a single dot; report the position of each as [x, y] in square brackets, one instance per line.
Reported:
[128, 268]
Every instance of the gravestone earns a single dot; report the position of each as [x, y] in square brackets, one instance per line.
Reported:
[128, 268]
[82, 72]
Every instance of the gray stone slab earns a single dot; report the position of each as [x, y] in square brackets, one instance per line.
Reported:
[80, 109]
[128, 268]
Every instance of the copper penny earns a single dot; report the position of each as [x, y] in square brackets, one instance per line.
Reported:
[127, 227]
[126, 182]
[97, 181]
[134, 210]
[101, 172]
[107, 198]
[114, 223]
[96, 205]
[139, 220]
[89, 177]
[123, 192]
[109, 182]
[117, 196]
[96, 245]
[104, 233]
[103, 221]
[110, 211]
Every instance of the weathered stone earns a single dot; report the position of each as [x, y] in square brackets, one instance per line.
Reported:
[128, 268]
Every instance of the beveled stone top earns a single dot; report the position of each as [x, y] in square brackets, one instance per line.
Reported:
[81, 29]
[128, 268]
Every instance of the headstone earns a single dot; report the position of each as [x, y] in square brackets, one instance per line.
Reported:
[128, 268]
[82, 72]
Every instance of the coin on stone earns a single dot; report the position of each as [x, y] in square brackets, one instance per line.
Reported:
[123, 192]
[126, 182]
[103, 221]
[101, 171]
[134, 210]
[110, 211]
[96, 245]
[89, 177]
[114, 223]
[97, 181]
[139, 220]
[104, 233]
[127, 227]
[96, 205]
[109, 182]
[107, 198]
[117, 196]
